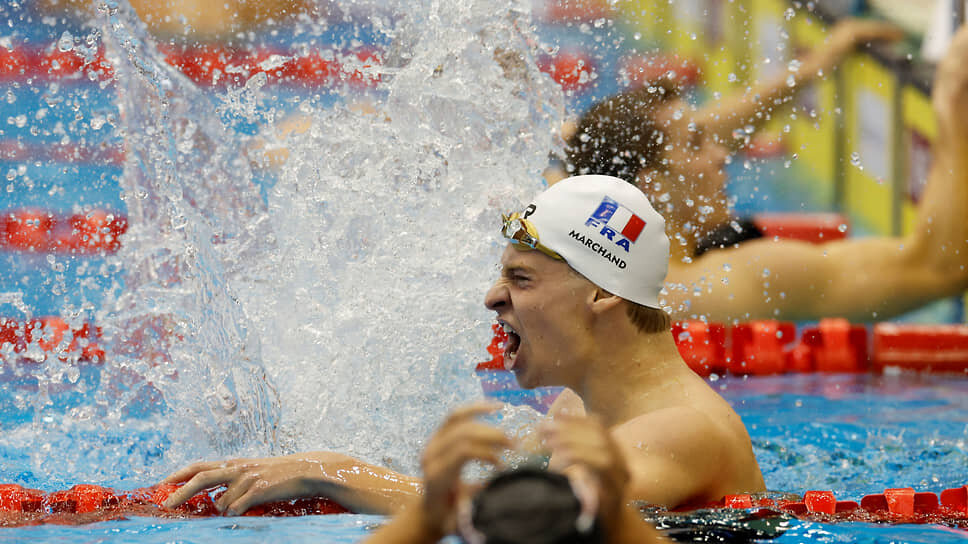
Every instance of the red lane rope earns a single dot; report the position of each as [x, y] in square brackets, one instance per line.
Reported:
[215, 64]
[833, 345]
[86, 503]
[53, 336]
[37, 230]
[207, 65]
[896, 505]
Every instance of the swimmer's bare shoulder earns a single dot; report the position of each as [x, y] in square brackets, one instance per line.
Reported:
[688, 455]
[684, 454]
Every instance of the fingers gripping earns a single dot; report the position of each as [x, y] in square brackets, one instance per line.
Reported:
[242, 485]
[187, 473]
[198, 482]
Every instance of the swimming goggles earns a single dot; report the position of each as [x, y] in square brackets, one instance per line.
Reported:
[520, 231]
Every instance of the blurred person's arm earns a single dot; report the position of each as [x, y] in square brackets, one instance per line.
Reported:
[754, 107]
[599, 472]
[862, 279]
[459, 440]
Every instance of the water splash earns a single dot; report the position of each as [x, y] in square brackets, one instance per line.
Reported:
[177, 324]
[343, 310]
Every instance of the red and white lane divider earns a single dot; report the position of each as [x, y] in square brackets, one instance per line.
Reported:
[36, 230]
[215, 64]
[207, 65]
[53, 336]
[86, 503]
[575, 69]
[897, 505]
[833, 345]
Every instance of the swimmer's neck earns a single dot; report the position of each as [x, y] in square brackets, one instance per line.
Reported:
[633, 377]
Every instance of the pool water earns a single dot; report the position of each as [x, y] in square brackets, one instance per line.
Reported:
[850, 434]
[124, 422]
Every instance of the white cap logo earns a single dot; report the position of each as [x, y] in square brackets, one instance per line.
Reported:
[606, 229]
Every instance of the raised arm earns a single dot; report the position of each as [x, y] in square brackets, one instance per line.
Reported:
[861, 279]
[755, 106]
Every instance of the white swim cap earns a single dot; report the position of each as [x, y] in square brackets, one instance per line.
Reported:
[606, 229]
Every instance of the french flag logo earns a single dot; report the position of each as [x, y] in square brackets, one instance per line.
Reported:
[618, 218]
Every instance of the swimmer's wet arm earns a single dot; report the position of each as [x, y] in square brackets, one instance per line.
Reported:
[942, 230]
[861, 279]
[361, 487]
[357, 486]
[754, 107]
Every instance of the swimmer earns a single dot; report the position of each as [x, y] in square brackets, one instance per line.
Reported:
[720, 121]
[578, 295]
[678, 161]
[522, 505]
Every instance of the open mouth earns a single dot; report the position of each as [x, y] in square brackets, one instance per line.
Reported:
[511, 346]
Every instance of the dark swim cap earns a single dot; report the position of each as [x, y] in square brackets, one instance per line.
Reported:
[530, 506]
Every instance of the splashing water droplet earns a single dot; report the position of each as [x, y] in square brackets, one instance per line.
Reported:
[842, 227]
[855, 160]
[66, 42]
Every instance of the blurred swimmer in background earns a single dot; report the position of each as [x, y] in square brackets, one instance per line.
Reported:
[651, 138]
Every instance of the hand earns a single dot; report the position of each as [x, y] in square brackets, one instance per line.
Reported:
[459, 440]
[251, 482]
[593, 461]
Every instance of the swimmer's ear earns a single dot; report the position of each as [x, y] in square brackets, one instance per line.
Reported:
[603, 301]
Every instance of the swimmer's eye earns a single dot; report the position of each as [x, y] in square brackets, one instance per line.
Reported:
[519, 278]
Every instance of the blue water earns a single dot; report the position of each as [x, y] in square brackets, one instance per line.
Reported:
[852, 434]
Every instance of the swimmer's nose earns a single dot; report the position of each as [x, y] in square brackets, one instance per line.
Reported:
[496, 297]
